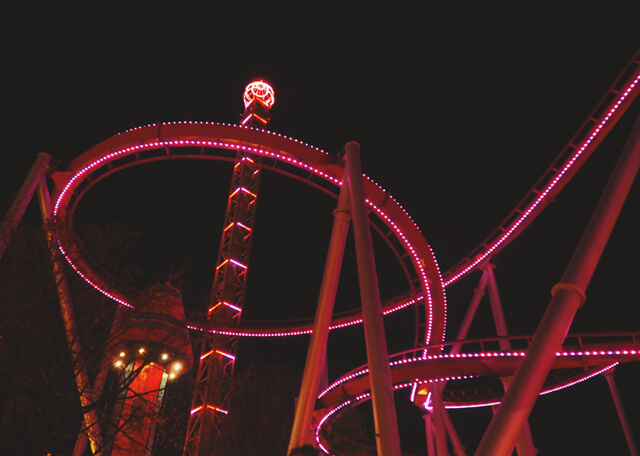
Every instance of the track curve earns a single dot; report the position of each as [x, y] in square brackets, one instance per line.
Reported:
[612, 106]
[193, 140]
[210, 141]
[477, 370]
[591, 133]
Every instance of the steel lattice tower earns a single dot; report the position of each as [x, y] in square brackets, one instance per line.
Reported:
[217, 354]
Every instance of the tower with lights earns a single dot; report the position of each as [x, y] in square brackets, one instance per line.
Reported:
[150, 348]
[153, 345]
[217, 355]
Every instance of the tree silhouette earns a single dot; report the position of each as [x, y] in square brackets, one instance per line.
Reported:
[40, 410]
[262, 402]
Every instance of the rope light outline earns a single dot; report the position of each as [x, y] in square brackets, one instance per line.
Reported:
[62, 199]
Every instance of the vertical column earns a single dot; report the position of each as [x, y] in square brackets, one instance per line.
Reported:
[478, 294]
[497, 309]
[227, 292]
[438, 388]
[633, 449]
[524, 445]
[439, 412]
[428, 424]
[301, 431]
[384, 410]
[92, 426]
[226, 302]
[568, 296]
[439, 408]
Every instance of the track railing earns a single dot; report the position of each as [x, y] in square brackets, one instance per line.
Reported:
[591, 133]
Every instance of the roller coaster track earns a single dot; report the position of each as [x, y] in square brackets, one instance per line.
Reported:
[197, 140]
[482, 358]
[584, 142]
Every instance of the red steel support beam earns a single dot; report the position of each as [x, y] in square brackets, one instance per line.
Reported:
[21, 201]
[478, 294]
[437, 389]
[229, 283]
[87, 399]
[496, 308]
[633, 449]
[524, 445]
[428, 425]
[384, 410]
[301, 431]
[442, 446]
[568, 296]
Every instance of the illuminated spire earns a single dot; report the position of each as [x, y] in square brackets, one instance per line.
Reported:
[258, 99]
[261, 91]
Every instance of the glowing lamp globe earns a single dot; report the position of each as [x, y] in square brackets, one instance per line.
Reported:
[259, 90]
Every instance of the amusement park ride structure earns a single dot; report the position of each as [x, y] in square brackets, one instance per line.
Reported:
[523, 366]
[217, 356]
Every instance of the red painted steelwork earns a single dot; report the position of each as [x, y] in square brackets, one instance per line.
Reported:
[210, 393]
[579, 358]
[602, 119]
[283, 155]
[463, 370]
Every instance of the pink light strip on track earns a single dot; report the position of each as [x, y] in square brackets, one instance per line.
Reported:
[421, 271]
[542, 195]
[229, 145]
[86, 279]
[412, 384]
[516, 354]
[575, 382]
[364, 396]
[300, 332]
[543, 392]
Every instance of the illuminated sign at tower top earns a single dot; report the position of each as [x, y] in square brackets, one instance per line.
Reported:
[260, 90]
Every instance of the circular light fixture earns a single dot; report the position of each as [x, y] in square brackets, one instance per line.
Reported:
[260, 90]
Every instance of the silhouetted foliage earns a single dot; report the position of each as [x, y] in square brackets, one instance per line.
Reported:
[262, 402]
[305, 450]
[347, 434]
[40, 410]
[39, 401]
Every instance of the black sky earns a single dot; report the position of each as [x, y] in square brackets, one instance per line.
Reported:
[459, 107]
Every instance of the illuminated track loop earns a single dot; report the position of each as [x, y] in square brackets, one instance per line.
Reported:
[201, 140]
[477, 370]
[289, 157]
[299, 327]
[591, 133]
[622, 93]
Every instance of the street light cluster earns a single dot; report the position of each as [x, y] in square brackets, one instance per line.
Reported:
[169, 362]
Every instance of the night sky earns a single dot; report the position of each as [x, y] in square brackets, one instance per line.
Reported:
[459, 108]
